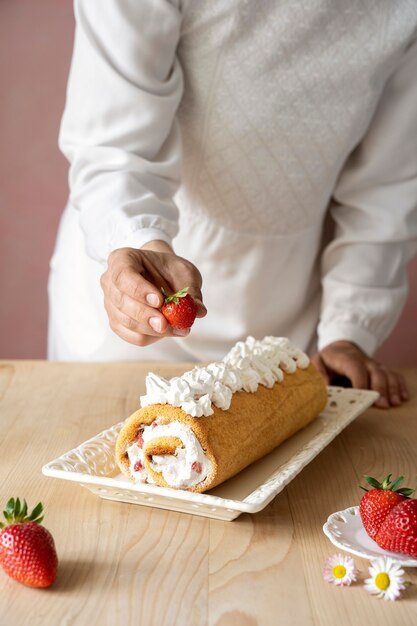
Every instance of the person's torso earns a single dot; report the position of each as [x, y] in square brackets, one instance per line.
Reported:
[277, 94]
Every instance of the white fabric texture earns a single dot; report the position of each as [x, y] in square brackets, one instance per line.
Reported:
[236, 127]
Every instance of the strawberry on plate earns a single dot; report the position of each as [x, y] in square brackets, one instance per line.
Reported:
[179, 309]
[377, 503]
[27, 549]
[398, 533]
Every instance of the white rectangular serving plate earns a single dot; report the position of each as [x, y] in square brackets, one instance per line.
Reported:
[93, 465]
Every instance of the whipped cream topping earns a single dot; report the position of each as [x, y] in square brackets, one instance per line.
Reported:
[186, 468]
[249, 364]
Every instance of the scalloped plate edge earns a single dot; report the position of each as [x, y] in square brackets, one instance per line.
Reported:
[253, 503]
[353, 511]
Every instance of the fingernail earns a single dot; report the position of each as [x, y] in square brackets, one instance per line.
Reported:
[382, 403]
[404, 395]
[180, 332]
[156, 324]
[395, 399]
[153, 300]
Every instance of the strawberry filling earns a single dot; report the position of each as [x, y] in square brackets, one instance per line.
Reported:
[197, 467]
[187, 467]
[139, 440]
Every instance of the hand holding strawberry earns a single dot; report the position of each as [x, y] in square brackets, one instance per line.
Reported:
[132, 295]
[179, 310]
[27, 549]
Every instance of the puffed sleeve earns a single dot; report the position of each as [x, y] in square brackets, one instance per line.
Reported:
[118, 129]
[374, 208]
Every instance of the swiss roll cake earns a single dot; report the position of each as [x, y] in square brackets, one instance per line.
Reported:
[197, 430]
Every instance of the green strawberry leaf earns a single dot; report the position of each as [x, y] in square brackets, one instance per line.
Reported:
[182, 292]
[387, 485]
[397, 483]
[9, 507]
[373, 482]
[16, 511]
[9, 517]
[17, 508]
[37, 511]
[175, 297]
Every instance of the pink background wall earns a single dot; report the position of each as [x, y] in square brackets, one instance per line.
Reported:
[35, 50]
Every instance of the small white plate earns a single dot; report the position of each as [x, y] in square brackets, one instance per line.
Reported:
[345, 530]
[93, 465]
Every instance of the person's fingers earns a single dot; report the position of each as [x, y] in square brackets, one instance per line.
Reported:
[142, 321]
[357, 373]
[378, 382]
[187, 275]
[403, 388]
[319, 365]
[195, 292]
[144, 316]
[129, 281]
[346, 359]
[132, 292]
[125, 327]
[172, 273]
[132, 337]
[347, 364]
[129, 271]
[201, 309]
[137, 318]
[395, 387]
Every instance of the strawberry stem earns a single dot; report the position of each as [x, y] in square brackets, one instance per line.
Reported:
[17, 512]
[175, 297]
[387, 485]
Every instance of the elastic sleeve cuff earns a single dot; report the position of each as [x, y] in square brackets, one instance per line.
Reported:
[139, 237]
[342, 331]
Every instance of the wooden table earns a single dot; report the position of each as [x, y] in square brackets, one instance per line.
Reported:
[123, 564]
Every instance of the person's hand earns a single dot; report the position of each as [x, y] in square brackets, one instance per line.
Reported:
[343, 358]
[132, 291]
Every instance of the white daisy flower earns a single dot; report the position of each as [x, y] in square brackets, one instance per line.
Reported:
[386, 578]
[340, 570]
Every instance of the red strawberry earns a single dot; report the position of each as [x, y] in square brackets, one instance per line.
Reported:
[398, 533]
[137, 466]
[378, 502]
[179, 309]
[27, 549]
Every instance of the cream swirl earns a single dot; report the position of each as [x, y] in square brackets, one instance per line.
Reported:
[249, 364]
[186, 468]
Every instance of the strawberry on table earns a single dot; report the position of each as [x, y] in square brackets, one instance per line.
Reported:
[398, 533]
[179, 309]
[380, 500]
[27, 549]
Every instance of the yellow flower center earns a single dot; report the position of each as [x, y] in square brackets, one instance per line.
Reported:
[339, 571]
[382, 581]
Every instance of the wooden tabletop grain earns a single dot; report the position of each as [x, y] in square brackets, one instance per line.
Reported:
[124, 564]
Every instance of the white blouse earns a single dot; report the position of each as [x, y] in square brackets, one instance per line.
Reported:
[275, 142]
